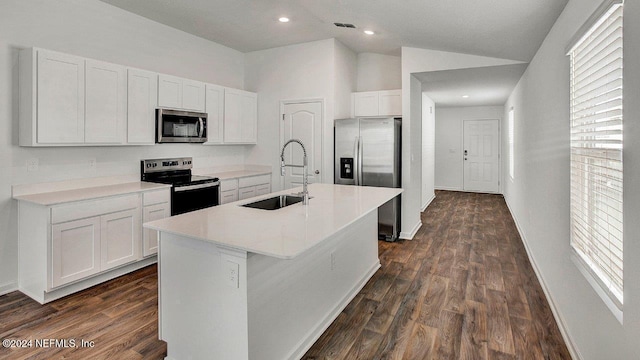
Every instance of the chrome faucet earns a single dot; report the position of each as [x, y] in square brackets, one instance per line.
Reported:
[305, 191]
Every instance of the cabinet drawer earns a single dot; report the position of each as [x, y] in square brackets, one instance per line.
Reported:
[228, 196]
[229, 184]
[263, 189]
[156, 197]
[254, 180]
[245, 193]
[86, 209]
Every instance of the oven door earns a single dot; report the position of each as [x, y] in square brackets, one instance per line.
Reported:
[194, 197]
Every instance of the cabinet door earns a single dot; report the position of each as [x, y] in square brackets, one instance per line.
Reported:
[169, 91]
[232, 114]
[390, 103]
[228, 196]
[246, 192]
[365, 103]
[193, 95]
[142, 100]
[149, 236]
[249, 117]
[60, 98]
[105, 96]
[119, 238]
[263, 189]
[215, 113]
[75, 250]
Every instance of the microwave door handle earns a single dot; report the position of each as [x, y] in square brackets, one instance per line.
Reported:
[200, 126]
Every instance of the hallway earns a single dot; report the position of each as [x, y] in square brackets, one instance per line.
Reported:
[462, 289]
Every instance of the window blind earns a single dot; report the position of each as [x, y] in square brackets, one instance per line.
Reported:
[511, 145]
[596, 151]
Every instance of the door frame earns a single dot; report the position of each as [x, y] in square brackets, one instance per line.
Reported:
[499, 155]
[283, 103]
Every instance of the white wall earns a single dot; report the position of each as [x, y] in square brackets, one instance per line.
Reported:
[379, 72]
[416, 61]
[345, 77]
[303, 71]
[94, 29]
[428, 150]
[539, 195]
[449, 141]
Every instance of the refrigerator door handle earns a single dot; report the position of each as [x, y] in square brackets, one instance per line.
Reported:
[356, 163]
[360, 174]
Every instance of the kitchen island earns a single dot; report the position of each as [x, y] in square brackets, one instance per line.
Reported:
[244, 283]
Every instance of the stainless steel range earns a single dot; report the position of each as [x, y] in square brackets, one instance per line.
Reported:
[189, 192]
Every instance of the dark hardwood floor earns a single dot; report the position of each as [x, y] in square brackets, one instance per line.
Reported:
[462, 289]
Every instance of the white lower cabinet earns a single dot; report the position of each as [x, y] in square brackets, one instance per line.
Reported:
[75, 250]
[119, 238]
[71, 246]
[243, 188]
[150, 237]
[247, 192]
[156, 206]
[253, 186]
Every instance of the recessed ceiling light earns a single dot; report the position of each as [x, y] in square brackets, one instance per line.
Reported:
[465, 96]
[283, 19]
[369, 32]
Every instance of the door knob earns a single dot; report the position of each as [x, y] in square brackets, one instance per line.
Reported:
[317, 172]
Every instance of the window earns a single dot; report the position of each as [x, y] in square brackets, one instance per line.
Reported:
[596, 151]
[511, 151]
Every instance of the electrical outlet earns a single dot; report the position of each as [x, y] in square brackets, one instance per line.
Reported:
[32, 165]
[233, 274]
[92, 163]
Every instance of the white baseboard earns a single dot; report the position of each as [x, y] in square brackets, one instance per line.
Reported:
[424, 207]
[409, 235]
[448, 188]
[9, 287]
[573, 350]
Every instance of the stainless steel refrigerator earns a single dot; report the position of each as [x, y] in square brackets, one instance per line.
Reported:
[367, 152]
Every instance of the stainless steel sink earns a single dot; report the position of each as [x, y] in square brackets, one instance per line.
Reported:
[275, 203]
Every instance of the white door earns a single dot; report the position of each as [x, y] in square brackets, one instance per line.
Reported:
[215, 113]
[193, 95]
[119, 238]
[302, 121]
[60, 98]
[366, 103]
[169, 91]
[481, 155]
[142, 100]
[75, 250]
[105, 98]
[232, 116]
[150, 237]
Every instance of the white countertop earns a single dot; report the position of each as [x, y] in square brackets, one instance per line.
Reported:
[225, 175]
[88, 193]
[284, 233]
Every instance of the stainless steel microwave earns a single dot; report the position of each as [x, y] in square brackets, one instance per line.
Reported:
[177, 126]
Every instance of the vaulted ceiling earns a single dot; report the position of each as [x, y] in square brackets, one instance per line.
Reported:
[508, 29]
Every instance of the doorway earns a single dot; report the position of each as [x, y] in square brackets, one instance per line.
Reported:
[481, 153]
[303, 120]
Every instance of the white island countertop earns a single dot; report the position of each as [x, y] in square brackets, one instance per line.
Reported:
[284, 233]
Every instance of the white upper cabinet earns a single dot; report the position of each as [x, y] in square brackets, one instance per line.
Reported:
[56, 87]
[365, 103]
[377, 103]
[142, 90]
[240, 116]
[215, 113]
[105, 99]
[179, 93]
[390, 103]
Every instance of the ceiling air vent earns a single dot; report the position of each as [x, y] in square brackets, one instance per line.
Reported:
[350, 26]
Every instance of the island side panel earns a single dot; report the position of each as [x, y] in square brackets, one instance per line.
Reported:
[292, 302]
[202, 314]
